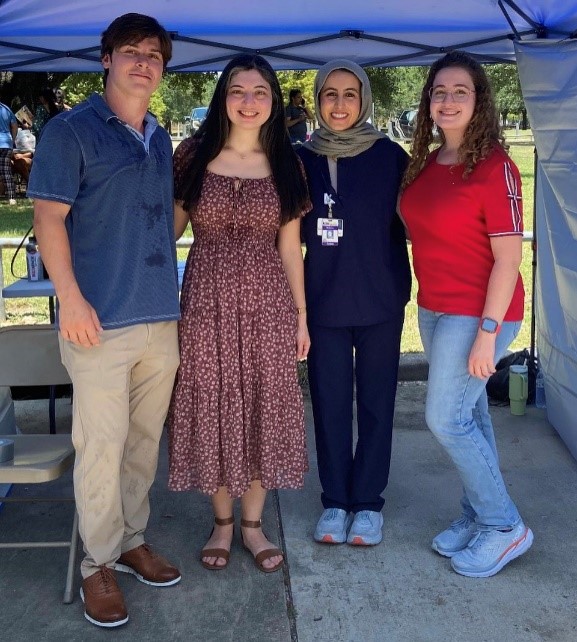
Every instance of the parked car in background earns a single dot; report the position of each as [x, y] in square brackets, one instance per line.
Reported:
[407, 122]
[197, 115]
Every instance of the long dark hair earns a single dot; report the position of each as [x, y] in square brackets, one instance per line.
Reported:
[213, 134]
[51, 106]
[483, 132]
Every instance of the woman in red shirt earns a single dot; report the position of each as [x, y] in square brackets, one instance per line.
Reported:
[462, 207]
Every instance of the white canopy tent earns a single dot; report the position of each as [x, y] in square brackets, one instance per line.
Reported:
[63, 35]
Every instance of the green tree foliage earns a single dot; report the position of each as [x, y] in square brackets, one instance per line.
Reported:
[507, 89]
[395, 89]
[77, 87]
[181, 92]
[208, 90]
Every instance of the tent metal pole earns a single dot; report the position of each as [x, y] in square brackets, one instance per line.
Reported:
[534, 255]
[518, 11]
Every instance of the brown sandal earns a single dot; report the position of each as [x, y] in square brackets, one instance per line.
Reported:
[217, 552]
[267, 554]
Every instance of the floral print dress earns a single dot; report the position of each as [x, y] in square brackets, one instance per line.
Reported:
[237, 413]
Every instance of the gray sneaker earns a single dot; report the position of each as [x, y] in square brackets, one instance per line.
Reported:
[490, 550]
[455, 538]
[367, 528]
[332, 527]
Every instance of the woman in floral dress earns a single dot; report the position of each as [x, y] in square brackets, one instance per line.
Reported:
[236, 425]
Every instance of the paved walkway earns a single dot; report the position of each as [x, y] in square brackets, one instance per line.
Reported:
[399, 591]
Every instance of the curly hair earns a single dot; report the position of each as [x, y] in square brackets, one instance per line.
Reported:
[483, 132]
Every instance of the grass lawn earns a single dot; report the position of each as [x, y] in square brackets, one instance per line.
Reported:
[15, 221]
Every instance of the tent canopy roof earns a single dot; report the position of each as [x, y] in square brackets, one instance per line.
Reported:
[64, 35]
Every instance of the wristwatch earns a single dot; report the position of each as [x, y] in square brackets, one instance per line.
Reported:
[489, 325]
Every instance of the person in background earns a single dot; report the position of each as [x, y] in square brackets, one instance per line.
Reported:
[47, 108]
[297, 115]
[236, 423]
[462, 206]
[60, 100]
[24, 146]
[103, 216]
[8, 131]
[357, 281]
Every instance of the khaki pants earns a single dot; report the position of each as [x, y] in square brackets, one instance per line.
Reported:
[122, 390]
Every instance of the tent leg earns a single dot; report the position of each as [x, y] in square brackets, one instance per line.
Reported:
[534, 256]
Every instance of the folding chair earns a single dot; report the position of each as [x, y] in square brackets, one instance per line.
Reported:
[29, 355]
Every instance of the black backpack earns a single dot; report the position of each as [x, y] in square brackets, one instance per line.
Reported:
[498, 383]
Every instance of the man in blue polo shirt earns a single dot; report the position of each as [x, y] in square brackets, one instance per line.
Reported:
[103, 215]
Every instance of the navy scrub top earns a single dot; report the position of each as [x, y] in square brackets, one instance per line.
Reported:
[366, 278]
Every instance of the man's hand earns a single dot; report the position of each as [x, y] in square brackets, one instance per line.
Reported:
[79, 322]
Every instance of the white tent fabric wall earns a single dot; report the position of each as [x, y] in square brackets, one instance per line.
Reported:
[548, 73]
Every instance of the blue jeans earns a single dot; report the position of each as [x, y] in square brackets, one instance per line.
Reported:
[457, 413]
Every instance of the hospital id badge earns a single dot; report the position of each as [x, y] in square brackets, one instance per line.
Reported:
[330, 230]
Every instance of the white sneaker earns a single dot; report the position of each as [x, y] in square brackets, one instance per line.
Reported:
[490, 550]
[455, 538]
[12, 201]
[367, 528]
[332, 526]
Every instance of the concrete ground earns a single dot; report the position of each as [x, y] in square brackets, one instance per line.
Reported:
[399, 591]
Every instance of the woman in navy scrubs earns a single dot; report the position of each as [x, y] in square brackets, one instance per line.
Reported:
[357, 281]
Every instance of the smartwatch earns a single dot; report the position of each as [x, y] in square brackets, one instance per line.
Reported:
[489, 325]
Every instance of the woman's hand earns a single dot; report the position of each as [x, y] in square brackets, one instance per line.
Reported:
[507, 252]
[181, 218]
[482, 355]
[303, 339]
[289, 249]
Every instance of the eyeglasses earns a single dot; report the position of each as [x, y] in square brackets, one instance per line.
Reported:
[458, 95]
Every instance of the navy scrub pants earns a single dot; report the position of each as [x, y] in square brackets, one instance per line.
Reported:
[353, 478]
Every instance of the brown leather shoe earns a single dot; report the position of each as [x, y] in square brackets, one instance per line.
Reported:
[103, 601]
[148, 566]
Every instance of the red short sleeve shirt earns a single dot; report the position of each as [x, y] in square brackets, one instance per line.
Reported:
[451, 221]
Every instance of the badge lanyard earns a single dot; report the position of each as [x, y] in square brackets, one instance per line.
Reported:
[330, 229]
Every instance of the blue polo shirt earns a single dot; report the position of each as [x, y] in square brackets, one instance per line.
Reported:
[366, 278]
[121, 223]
